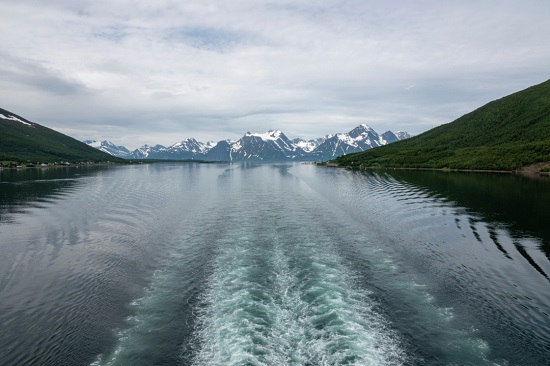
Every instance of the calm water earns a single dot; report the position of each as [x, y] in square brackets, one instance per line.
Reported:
[217, 264]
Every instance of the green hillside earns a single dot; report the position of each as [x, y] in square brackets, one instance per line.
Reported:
[506, 134]
[22, 141]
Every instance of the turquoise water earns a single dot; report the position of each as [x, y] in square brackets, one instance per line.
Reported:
[217, 264]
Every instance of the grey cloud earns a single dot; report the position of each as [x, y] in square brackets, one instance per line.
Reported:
[211, 38]
[165, 70]
[114, 33]
[31, 73]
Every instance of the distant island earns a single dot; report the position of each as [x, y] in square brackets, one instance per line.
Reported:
[508, 134]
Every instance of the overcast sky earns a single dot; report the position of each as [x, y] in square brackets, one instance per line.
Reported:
[159, 71]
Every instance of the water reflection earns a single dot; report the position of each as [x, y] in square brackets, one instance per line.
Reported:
[521, 204]
[497, 260]
[32, 188]
[479, 242]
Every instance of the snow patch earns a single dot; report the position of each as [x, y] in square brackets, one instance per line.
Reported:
[210, 145]
[347, 139]
[267, 136]
[306, 145]
[12, 118]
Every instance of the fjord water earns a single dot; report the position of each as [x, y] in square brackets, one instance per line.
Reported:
[219, 264]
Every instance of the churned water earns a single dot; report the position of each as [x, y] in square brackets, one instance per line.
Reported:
[250, 264]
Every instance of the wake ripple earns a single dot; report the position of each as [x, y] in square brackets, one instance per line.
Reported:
[271, 302]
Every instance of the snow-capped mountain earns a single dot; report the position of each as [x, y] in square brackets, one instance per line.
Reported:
[220, 152]
[388, 137]
[359, 139]
[187, 149]
[402, 135]
[269, 146]
[148, 152]
[109, 148]
[310, 145]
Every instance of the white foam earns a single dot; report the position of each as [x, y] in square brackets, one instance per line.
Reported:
[311, 314]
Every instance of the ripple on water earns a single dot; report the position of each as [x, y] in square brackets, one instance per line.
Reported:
[278, 299]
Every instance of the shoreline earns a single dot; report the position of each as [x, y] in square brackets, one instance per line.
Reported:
[47, 166]
[532, 171]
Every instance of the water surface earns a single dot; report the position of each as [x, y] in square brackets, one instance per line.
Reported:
[246, 264]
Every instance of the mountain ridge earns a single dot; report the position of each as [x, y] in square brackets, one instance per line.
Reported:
[22, 140]
[272, 145]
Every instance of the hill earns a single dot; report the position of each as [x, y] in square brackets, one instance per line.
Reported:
[22, 140]
[505, 134]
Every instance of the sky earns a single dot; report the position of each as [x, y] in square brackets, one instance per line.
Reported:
[157, 72]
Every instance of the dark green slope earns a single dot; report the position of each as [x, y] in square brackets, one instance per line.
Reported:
[506, 134]
[21, 142]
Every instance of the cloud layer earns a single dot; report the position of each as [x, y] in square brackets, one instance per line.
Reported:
[138, 72]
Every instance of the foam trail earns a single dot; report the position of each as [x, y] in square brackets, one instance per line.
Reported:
[272, 302]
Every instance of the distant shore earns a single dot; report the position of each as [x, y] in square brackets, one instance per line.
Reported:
[16, 166]
[533, 170]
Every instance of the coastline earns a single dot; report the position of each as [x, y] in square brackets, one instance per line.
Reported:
[532, 170]
[23, 166]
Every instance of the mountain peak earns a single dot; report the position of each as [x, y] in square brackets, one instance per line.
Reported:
[360, 130]
[266, 136]
[362, 127]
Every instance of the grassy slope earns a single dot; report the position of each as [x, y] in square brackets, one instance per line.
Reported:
[505, 134]
[20, 142]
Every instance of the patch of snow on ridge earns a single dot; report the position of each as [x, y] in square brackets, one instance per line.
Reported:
[12, 118]
[402, 135]
[307, 146]
[235, 146]
[344, 137]
[210, 144]
[269, 135]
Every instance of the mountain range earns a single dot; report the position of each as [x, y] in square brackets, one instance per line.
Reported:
[268, 146]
